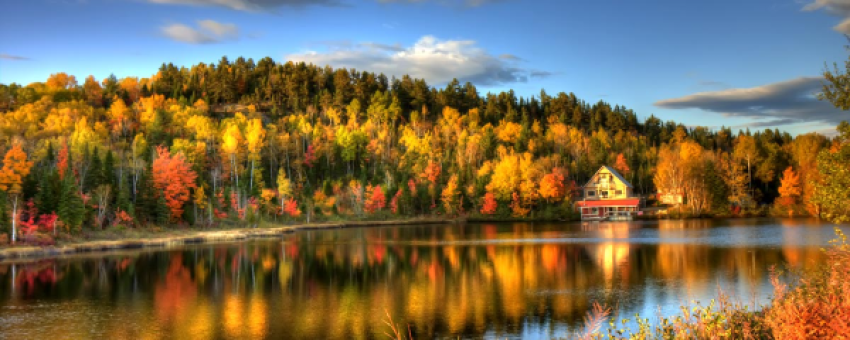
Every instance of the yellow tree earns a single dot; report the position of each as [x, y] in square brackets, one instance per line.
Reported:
[669, 173]
[531, 175]
[558, 134]
[284, 187]
[199, 200]
[747, 150]
[61, 81]
[508, 132]
[130, 85]
[692, 161]
[506, 178]
[93, 92]
[15, 168]
[450, 196]
[119, 116]
[231, 140]
[804, 150]
[517, 207]
[255, 137]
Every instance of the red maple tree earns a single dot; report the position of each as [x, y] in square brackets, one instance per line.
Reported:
[310, 156]
[173, 176]
[62, 161]
[375, 199]
[394, 202]
[490, 204]
[290, 207]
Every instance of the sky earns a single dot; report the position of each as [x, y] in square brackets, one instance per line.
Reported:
[735, 63]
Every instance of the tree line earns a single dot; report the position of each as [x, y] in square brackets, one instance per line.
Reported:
[291, 141]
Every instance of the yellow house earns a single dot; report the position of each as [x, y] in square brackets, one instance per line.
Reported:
[607, 183]
[607, 195]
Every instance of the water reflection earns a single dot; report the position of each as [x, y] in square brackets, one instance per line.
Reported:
[507, 280]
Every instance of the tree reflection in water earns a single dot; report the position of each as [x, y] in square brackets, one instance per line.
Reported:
[472, 280]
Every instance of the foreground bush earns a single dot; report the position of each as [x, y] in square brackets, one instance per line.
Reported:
[818, 306]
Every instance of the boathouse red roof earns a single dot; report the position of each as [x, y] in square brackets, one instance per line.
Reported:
[610, 203]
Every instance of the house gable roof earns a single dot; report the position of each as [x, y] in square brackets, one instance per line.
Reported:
[613, 172]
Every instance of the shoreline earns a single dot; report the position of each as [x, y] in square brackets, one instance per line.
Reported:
[196, 237]
[234, 234]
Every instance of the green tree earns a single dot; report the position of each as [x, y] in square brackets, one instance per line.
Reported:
[832, 192]
[162, 211]
[49, 191]
[108, 174]
[94, 177]
[71, 209]
[122, 199]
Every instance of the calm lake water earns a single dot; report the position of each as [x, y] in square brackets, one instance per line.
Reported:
[512, 280]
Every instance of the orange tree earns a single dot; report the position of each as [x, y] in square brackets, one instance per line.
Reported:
[790, 190]
[490, 204]
[15, 169]
[173, 177]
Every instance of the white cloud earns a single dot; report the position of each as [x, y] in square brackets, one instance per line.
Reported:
[250, 5]
[837, 7]
[208, 32]
[219, 29]
[782, 103]
[437, 61]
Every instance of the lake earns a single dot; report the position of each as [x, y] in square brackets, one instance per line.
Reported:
[478, 280]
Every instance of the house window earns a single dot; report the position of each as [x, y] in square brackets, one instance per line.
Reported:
[603, 194]
[619, 192]
[591, 193]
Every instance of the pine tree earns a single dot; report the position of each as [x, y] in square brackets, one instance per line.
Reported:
[71, 208]
[145, 198]
[122, 199]
[5, 219]
[30, 186]
[50, 157]
[49, 191]
[94, 178]
[162, 211]
[109, 170]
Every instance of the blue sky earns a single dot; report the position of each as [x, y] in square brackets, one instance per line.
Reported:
[722, 62]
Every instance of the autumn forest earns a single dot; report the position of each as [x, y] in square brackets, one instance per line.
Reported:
[244, 142]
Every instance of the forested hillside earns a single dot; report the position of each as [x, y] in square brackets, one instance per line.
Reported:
[245, 140]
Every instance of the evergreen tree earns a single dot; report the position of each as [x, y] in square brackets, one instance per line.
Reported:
[71, 209]
[49, 192]
[146, 201]
[109, 169]
[94, 178]
[50, 158]
[5, 219]
[30, 185]
[162, 211]
[122, 198]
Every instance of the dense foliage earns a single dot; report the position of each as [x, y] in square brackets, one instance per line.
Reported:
[248, 140]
